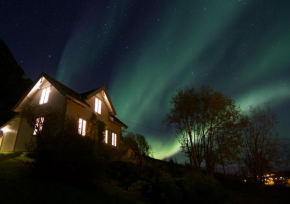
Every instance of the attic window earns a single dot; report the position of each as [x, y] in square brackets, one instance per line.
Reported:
[82, 127]
[114, 139]
[38, 125]
[44, 95]
[98, 105]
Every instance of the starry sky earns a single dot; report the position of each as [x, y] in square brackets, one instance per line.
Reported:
[144, 50]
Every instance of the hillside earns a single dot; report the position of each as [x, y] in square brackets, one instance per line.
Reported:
[13, 82]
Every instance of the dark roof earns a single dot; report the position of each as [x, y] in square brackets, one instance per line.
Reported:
[64, 89]
[120, 122]
[85, 94]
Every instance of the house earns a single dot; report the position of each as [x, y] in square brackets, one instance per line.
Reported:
[46, 91]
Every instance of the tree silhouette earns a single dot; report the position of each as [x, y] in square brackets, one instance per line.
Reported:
[206, 124]
[260, 152]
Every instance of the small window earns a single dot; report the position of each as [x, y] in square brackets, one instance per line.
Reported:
[114, 139]
[82, 127]
[98, 105]
[106, 137]
[38, 125]
[44, 95]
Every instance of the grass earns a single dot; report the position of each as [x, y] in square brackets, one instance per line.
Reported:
[17, 185]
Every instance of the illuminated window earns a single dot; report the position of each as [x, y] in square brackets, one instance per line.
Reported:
[82, 127]
[44, 95]
[106, 136]
[98, 105]
[38, 125]
[114, 139]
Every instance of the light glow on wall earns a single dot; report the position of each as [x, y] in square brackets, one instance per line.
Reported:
[4, 129]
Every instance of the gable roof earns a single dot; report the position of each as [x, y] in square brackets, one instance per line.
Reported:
[103, 91]
[64, 90]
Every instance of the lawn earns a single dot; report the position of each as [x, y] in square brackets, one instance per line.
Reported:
[17, 185]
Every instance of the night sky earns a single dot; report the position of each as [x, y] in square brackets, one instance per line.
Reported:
[144, 50]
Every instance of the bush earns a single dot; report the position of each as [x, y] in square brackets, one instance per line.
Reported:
[163, 188]
[201, 189]
[66, 154]
[59, 151]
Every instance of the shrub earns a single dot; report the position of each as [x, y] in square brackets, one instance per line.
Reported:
[201, 189]
[58, 150]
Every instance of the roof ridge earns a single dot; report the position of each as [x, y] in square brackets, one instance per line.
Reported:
[55, 80]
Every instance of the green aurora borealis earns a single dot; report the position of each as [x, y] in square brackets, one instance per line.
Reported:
[145, 51]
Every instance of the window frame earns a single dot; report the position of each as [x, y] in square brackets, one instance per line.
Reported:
[106, 136]
[98, 105]
[114, 139]
[44, 95]
[38, 125]
[82, 124]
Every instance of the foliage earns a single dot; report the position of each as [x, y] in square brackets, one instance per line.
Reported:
[159, 185]
[58, 149]
[97, 130]
[260, 151]
[206, 123]
[137, 143]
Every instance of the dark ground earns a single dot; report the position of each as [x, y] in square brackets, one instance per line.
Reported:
[17, 185]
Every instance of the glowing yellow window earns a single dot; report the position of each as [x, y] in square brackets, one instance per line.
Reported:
[38, 125]
[98, 105]
[44, 95]
[82, 127]
[106, 137]
[114, 139]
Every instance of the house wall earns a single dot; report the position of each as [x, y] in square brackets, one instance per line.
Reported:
[24, 136]
[9, 136]
[76, 111]
[104, 109]
[113, 128]
[55, 100]
[105, 115]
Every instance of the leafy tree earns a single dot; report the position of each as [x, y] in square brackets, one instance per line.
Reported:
[206, 124]
[137, 143]
[260, 150]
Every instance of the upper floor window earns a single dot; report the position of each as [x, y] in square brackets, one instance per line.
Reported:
[82, 127]
[98, 105]
[44, 95]
[38, 125]
[106, 137]
[114, 139]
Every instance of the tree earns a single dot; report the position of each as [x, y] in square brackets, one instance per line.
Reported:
[137, 143]
[206, 124]
[260, 150]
